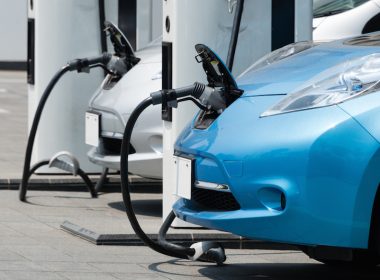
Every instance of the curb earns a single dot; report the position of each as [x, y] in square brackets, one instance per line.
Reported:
[69, 183]
[228, 240]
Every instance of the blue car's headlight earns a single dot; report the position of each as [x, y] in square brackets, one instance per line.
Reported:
[351, 79]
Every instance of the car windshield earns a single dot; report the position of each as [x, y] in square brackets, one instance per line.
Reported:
[322, 8]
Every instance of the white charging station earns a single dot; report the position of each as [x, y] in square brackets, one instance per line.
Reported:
[148, 21]
[62, 31]
[58, 32]
[188, 22]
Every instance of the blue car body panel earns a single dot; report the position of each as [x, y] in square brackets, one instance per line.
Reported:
[285, 75]
[366, 110]
[324, 161]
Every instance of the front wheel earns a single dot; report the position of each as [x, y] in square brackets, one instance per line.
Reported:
[360, 259]
[343, 257]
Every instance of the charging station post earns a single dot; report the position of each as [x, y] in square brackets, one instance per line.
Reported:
[72, 32]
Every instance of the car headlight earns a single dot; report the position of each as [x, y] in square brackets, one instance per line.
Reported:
[338, 84]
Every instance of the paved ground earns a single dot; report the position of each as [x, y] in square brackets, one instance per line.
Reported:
[13, 122]
[33, 246]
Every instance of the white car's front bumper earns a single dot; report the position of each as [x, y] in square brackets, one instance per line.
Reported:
[142, 164]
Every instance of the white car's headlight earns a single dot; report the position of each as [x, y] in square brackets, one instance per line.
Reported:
[345, 81]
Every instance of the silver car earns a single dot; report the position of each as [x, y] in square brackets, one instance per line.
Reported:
[115, 100]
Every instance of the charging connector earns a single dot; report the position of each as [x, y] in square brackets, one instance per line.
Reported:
[209, 98]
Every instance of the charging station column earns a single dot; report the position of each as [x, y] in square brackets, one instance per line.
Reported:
[186, 23]
[59, 31]
[182, 29]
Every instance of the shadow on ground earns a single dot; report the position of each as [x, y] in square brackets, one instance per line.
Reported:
[146, 207]
[281, 271]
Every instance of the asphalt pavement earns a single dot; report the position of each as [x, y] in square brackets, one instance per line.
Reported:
[33, 244]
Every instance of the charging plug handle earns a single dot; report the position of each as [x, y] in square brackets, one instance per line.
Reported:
[167, 95]
[207, 97]
[84, 64]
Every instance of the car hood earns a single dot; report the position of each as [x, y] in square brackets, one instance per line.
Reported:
[133, 87]
[291, 73]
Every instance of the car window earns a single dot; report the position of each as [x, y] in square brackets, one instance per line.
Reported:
[322, 8]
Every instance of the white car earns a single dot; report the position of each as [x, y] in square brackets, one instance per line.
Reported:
[114, 102]
[344, 18]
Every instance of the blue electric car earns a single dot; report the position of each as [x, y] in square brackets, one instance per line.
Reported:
[296, 158]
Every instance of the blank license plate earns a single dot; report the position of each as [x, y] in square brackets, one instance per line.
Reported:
[184, 176]
[92, 128]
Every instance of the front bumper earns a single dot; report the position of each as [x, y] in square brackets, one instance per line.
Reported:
[322, 161]
[146, 145]
[147, 165]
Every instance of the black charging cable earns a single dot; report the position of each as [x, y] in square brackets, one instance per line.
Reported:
[206, 251]
[79, 65]
[234, 34]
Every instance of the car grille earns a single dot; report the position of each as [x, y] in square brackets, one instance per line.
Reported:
[214, 200]
[112, 146]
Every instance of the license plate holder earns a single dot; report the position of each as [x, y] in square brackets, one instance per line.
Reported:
[92, 130]
[184, 177]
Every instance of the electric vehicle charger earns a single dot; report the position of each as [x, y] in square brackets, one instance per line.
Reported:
[116, 65]
[113, 65]
[212, 99]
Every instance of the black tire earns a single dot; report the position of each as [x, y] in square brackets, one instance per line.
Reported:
[374, 236]
[361, 259]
